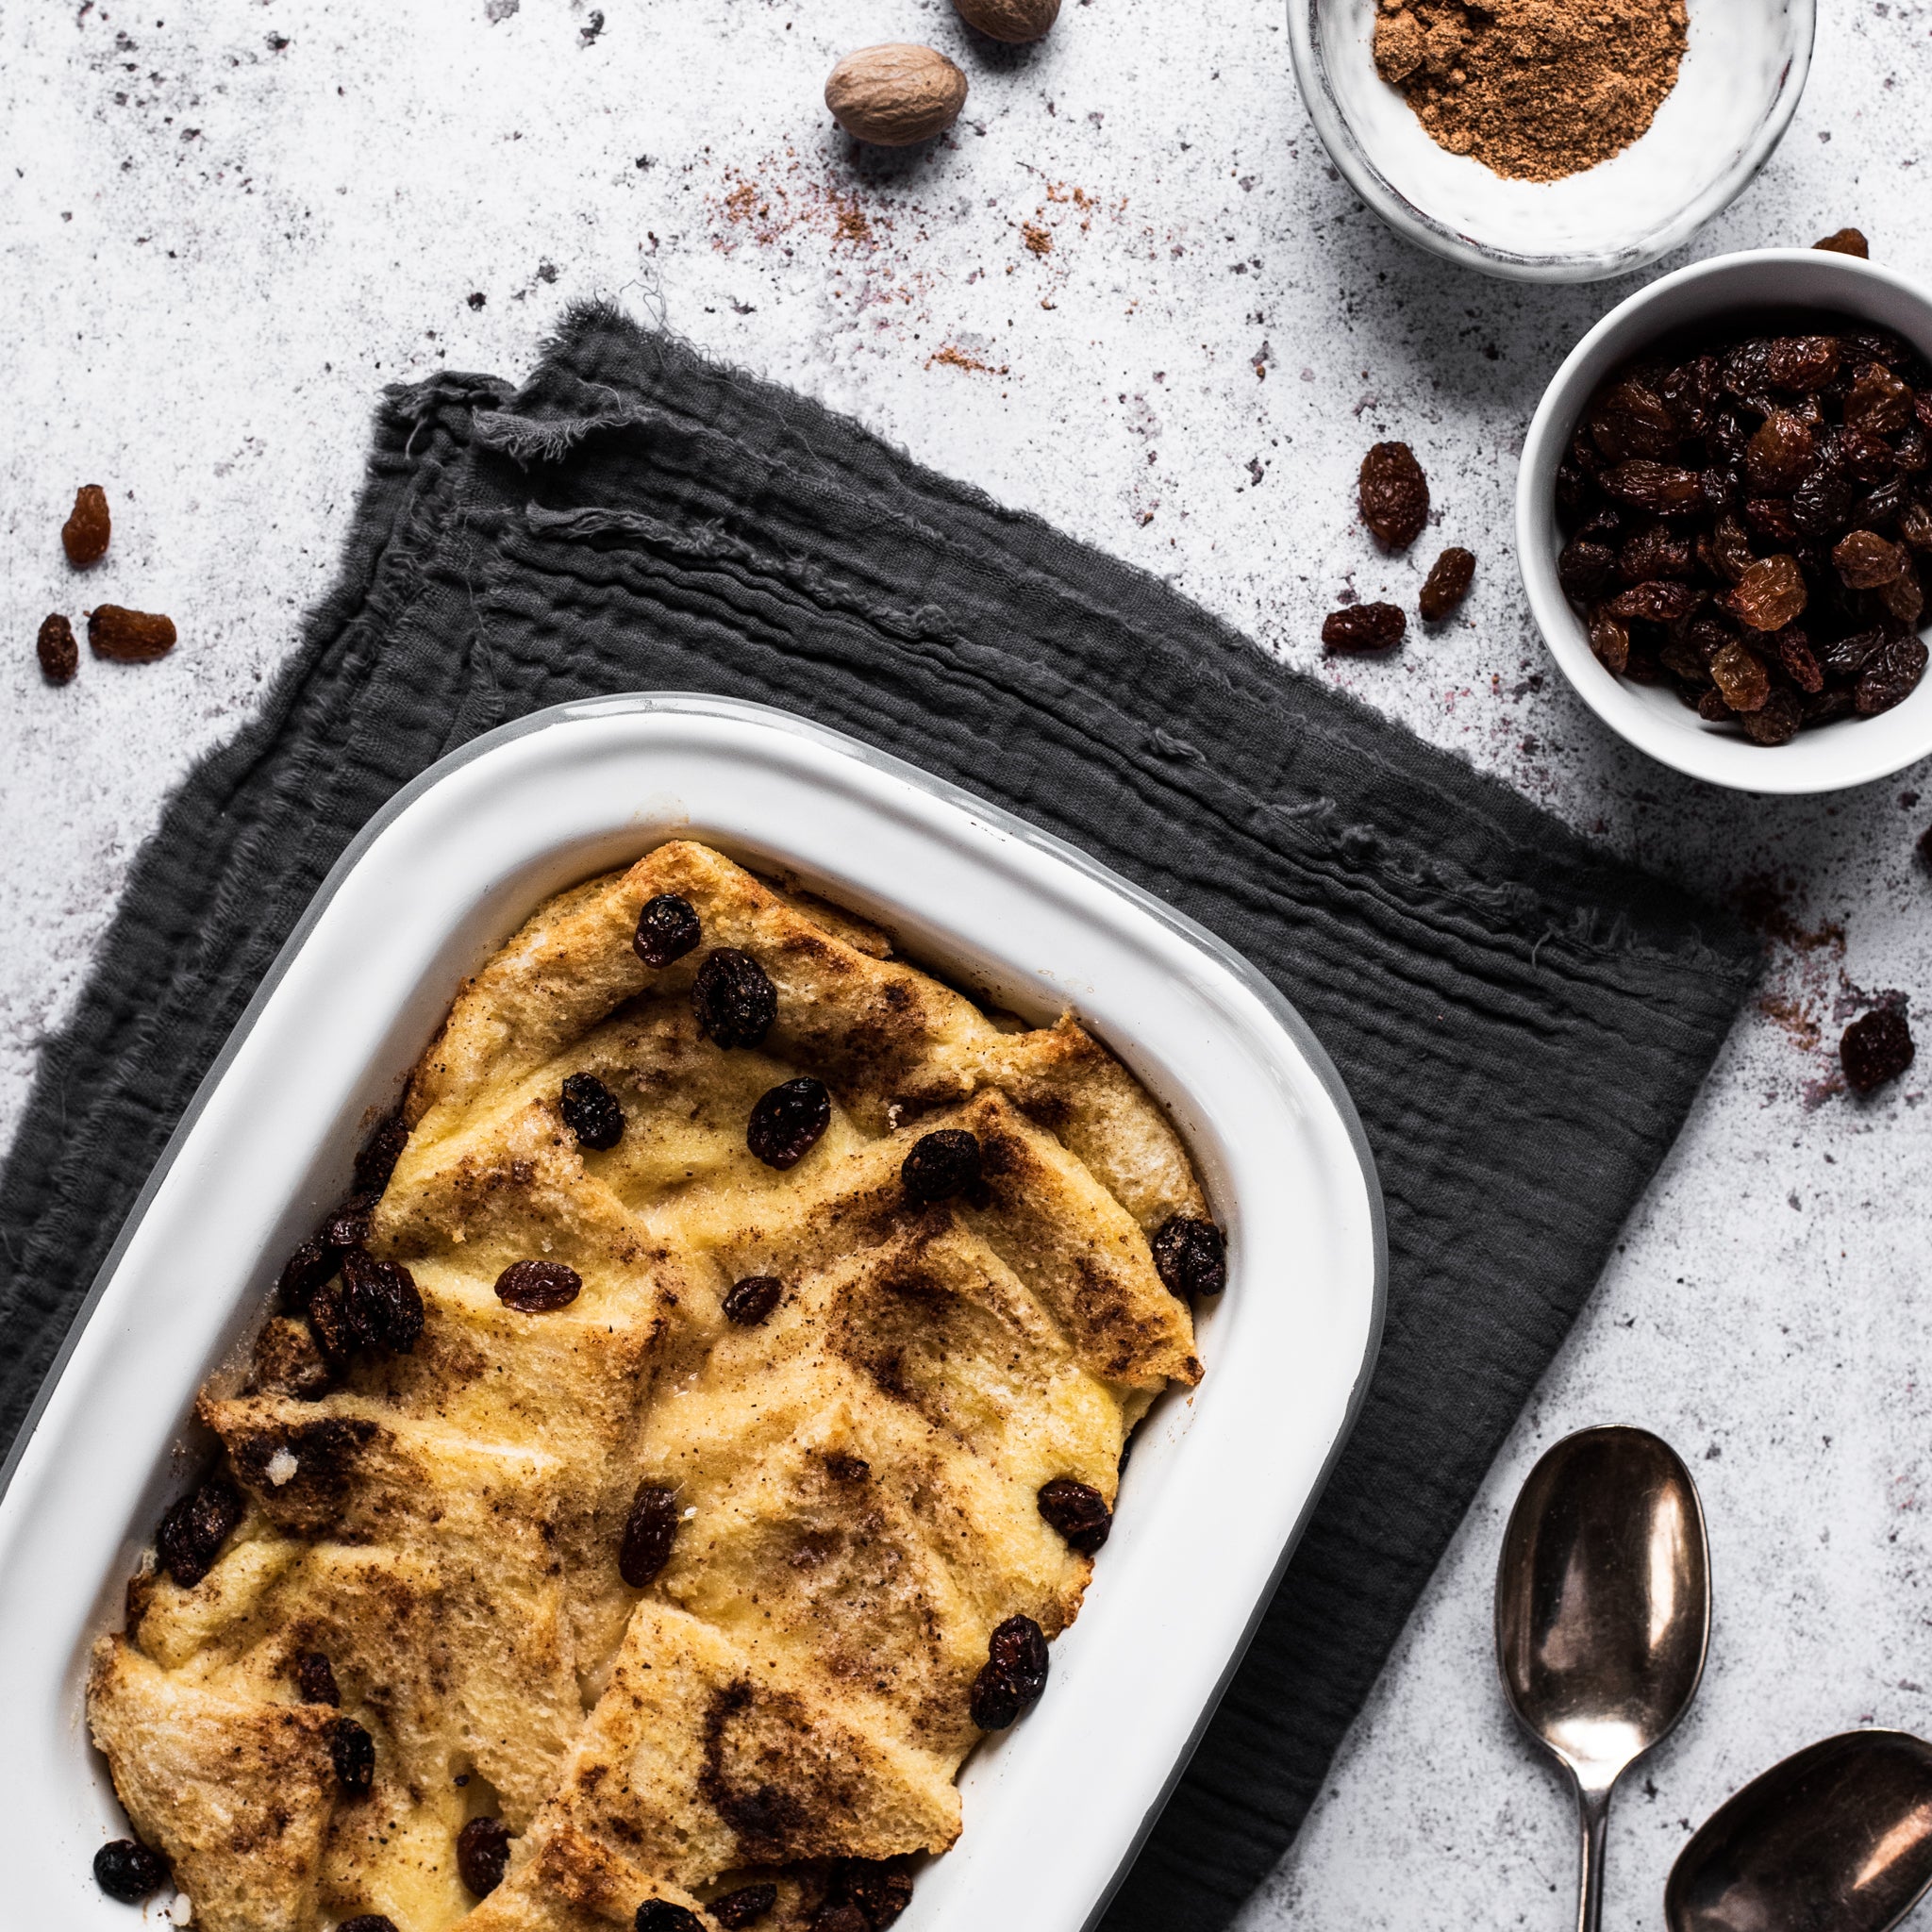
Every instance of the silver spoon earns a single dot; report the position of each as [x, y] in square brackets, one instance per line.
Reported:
[1835, 1838]
[1603, 1615]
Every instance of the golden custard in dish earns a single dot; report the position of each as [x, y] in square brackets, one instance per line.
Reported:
[676, 1456]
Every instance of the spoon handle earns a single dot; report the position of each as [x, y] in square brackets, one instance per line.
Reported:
[1592, 1815]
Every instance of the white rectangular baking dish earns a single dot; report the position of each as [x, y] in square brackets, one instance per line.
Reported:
[1220, 1483]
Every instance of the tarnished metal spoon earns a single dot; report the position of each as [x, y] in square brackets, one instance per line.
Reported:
[1603, 1615]
[1835, 1838]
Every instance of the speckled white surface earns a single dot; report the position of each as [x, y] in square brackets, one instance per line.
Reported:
[1128, 295]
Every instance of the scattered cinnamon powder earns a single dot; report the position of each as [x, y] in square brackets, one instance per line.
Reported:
[1534, 89]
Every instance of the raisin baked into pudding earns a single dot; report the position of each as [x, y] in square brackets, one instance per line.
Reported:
[661, 1472]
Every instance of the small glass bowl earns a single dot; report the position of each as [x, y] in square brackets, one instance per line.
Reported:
[1738, 86]
[1726, 289]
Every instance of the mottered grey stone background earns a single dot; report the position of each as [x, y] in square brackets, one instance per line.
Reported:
[1129, 293]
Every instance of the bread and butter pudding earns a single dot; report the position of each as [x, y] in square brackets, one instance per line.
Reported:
[674, 1456]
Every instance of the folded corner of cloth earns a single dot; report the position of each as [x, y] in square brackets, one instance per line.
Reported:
[1522, 1021]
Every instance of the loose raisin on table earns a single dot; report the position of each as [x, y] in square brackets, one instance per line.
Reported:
[747, 1302]
[1393, 495]
[744, 1907]
[787, 1121]
[1013, 1676]
[1364, 628]
[482, 1851]
[1875, 1049]
[591, 1111]
[537, 1288]
[664, 1915]
[649, 1531]
[1077, 1512]
[1891, 675]
[129, 637]
[55, 647]
[667, 929]
[942, 1166]
[1769, 594]
[1864, 561]
[84, 535]
[315, 1678]
[193, 1532]
[1190, 1256]
[1845, 242]
[129, 1871]
[352, 1751]
[1447, 584]
[733, 998]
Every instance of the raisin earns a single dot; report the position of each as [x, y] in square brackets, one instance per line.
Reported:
[55, 647]
[1869, 459]
[482, 1851]
[1712, 709]
[1393, 495]
[734, 1000]
[1643, 667]
[368, 1921]
[1778, 455]
[1771, 521]
[942, 1165]
[1656, 603]
[537, 1288]
[667, 929]
[128, 1871]
[744, 1907]
[1572, 487]
[662, 1915]
[1795, 363]
[1864, 561]
[1660, 487]
[1891, 673]
[1190, 1256]
[591, 1111]
[649, 1531]
[1800, 663]
[346, 1225]
[1769, 594]
[1657, 552]
[787, 1121]
[749, 1302]
[352, 1751]
[1603, 524]
[1904, 597]
[1730, 546]
[390, 1306]
[1585, 568]
[879, 1889]
[1629, 420]
[1877, 402]
[1079, 1513]
[191, 1533]
[1821, 503]
[305, 1270]
[1685, 662]
[1845, 657]
[1915, 525]
[84, 535]
[1609, 639]
[1013, 1675]
[839, 1917]
[1845, 242]
[380, 1152]
[1728, 436]
[1875, 1049]
[1447, 584]
[1744, 366]
[1364, 628]
[129, 637]
[1691, 389]
[315, 1678]
[1741, 677]
[1719, 489]
[1775, 720]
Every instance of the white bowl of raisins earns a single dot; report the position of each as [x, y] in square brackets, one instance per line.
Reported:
[1724, 519]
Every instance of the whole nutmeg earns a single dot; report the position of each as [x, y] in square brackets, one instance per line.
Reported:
[894, 96]
[1009, 19]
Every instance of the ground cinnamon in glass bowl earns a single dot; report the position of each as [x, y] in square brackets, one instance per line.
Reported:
[1534, 89]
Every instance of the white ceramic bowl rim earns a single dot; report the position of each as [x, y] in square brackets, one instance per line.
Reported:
[1417, 225]
[1847, 753]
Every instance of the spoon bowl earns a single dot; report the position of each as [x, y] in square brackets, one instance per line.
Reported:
[1603, 1615]
[1838, 1838]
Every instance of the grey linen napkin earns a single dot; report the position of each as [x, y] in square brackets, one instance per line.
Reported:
[1522, 1021]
